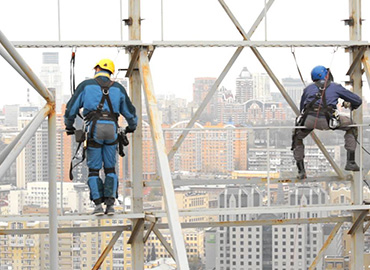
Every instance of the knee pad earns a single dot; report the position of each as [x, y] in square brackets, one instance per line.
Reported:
[111, 186]
[96, 188]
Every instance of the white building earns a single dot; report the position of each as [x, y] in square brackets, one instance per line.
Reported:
[291, 247]
[261, 86]
[51, 76]
[75, 197]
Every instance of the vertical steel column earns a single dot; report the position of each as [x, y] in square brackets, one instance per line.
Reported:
[268, 168]
[162, 162]
[357, 239]
[137, 246]
[53, 209]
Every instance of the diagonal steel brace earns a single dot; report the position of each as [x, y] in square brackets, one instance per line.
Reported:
[358, 222]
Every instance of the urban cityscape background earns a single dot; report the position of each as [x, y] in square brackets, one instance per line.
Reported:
[237, 132]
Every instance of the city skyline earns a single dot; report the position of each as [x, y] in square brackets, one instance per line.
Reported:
[240, 145]
[193, 62]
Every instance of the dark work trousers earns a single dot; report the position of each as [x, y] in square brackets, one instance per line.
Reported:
[312, 122]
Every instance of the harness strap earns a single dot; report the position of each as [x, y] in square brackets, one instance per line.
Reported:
[93, 172]
[71, 167]
[105, 97]
[109, 170]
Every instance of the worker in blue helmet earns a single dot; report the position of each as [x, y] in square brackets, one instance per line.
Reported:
[318, 109]
[102, 100]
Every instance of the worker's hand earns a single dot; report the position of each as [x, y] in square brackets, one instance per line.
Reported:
[346, 104]
[70, 130]
[129, 130]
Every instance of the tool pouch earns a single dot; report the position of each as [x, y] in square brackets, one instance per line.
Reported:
[105, 130]
[80, 135]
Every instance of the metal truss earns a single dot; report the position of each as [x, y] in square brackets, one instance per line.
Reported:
[190, 43]
[140, 78]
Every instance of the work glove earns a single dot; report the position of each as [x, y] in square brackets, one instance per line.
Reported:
[129, 130]
[70, 130]
[346, 104]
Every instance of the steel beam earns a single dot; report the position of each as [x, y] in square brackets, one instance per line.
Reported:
[198, 212]
[23, 140]
[106, 251]
[63, 230]
[53, 198]
[248, 181]
[189, 44]
[135, 231]
[366, 64]
[357, 60]
[164, 242]
[325, 246]
[40, 87]
[162, 161]
[281, 88]
[136, 154]
[359, 221]
[153, 222]
[186, 225]
[357, 237]
[133, 62]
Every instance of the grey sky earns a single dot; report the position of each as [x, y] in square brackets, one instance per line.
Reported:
[174, 69]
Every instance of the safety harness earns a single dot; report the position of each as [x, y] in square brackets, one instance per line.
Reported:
[82, 137]
[328, 111]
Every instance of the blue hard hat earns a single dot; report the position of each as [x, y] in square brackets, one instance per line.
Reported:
[319, 73]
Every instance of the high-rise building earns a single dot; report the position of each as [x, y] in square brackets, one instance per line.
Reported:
[261, 86]
[244, 86]
[51, 76]
[11, 115]
[294, 87]
[201, 88]
[32, 162]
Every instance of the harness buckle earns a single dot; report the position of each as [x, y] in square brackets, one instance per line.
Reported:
[105, 91]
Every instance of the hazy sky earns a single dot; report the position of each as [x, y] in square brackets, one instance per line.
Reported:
[174, 69]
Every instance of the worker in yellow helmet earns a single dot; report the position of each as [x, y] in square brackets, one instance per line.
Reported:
[102, 100]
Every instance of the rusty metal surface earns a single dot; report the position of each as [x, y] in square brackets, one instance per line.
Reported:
[162, 162]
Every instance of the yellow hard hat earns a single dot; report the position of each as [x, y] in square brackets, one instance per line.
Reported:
[106, 64]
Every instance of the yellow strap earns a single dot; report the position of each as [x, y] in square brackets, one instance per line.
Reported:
[102, 74]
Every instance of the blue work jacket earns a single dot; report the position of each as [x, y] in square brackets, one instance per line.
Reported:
[88, 96]
[332, 93]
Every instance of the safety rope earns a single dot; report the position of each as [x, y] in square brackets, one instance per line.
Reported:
[326, 81]
[72, 71]
[296, 63]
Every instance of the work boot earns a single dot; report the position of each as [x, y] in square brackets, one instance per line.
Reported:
[98, 211]
[301, 171]
[351, 163]
[109, 210]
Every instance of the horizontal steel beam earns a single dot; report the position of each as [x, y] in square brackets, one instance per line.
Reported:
[245, 43]
[247, 181]
[69, 217]
[199, 212]
[185, 225]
